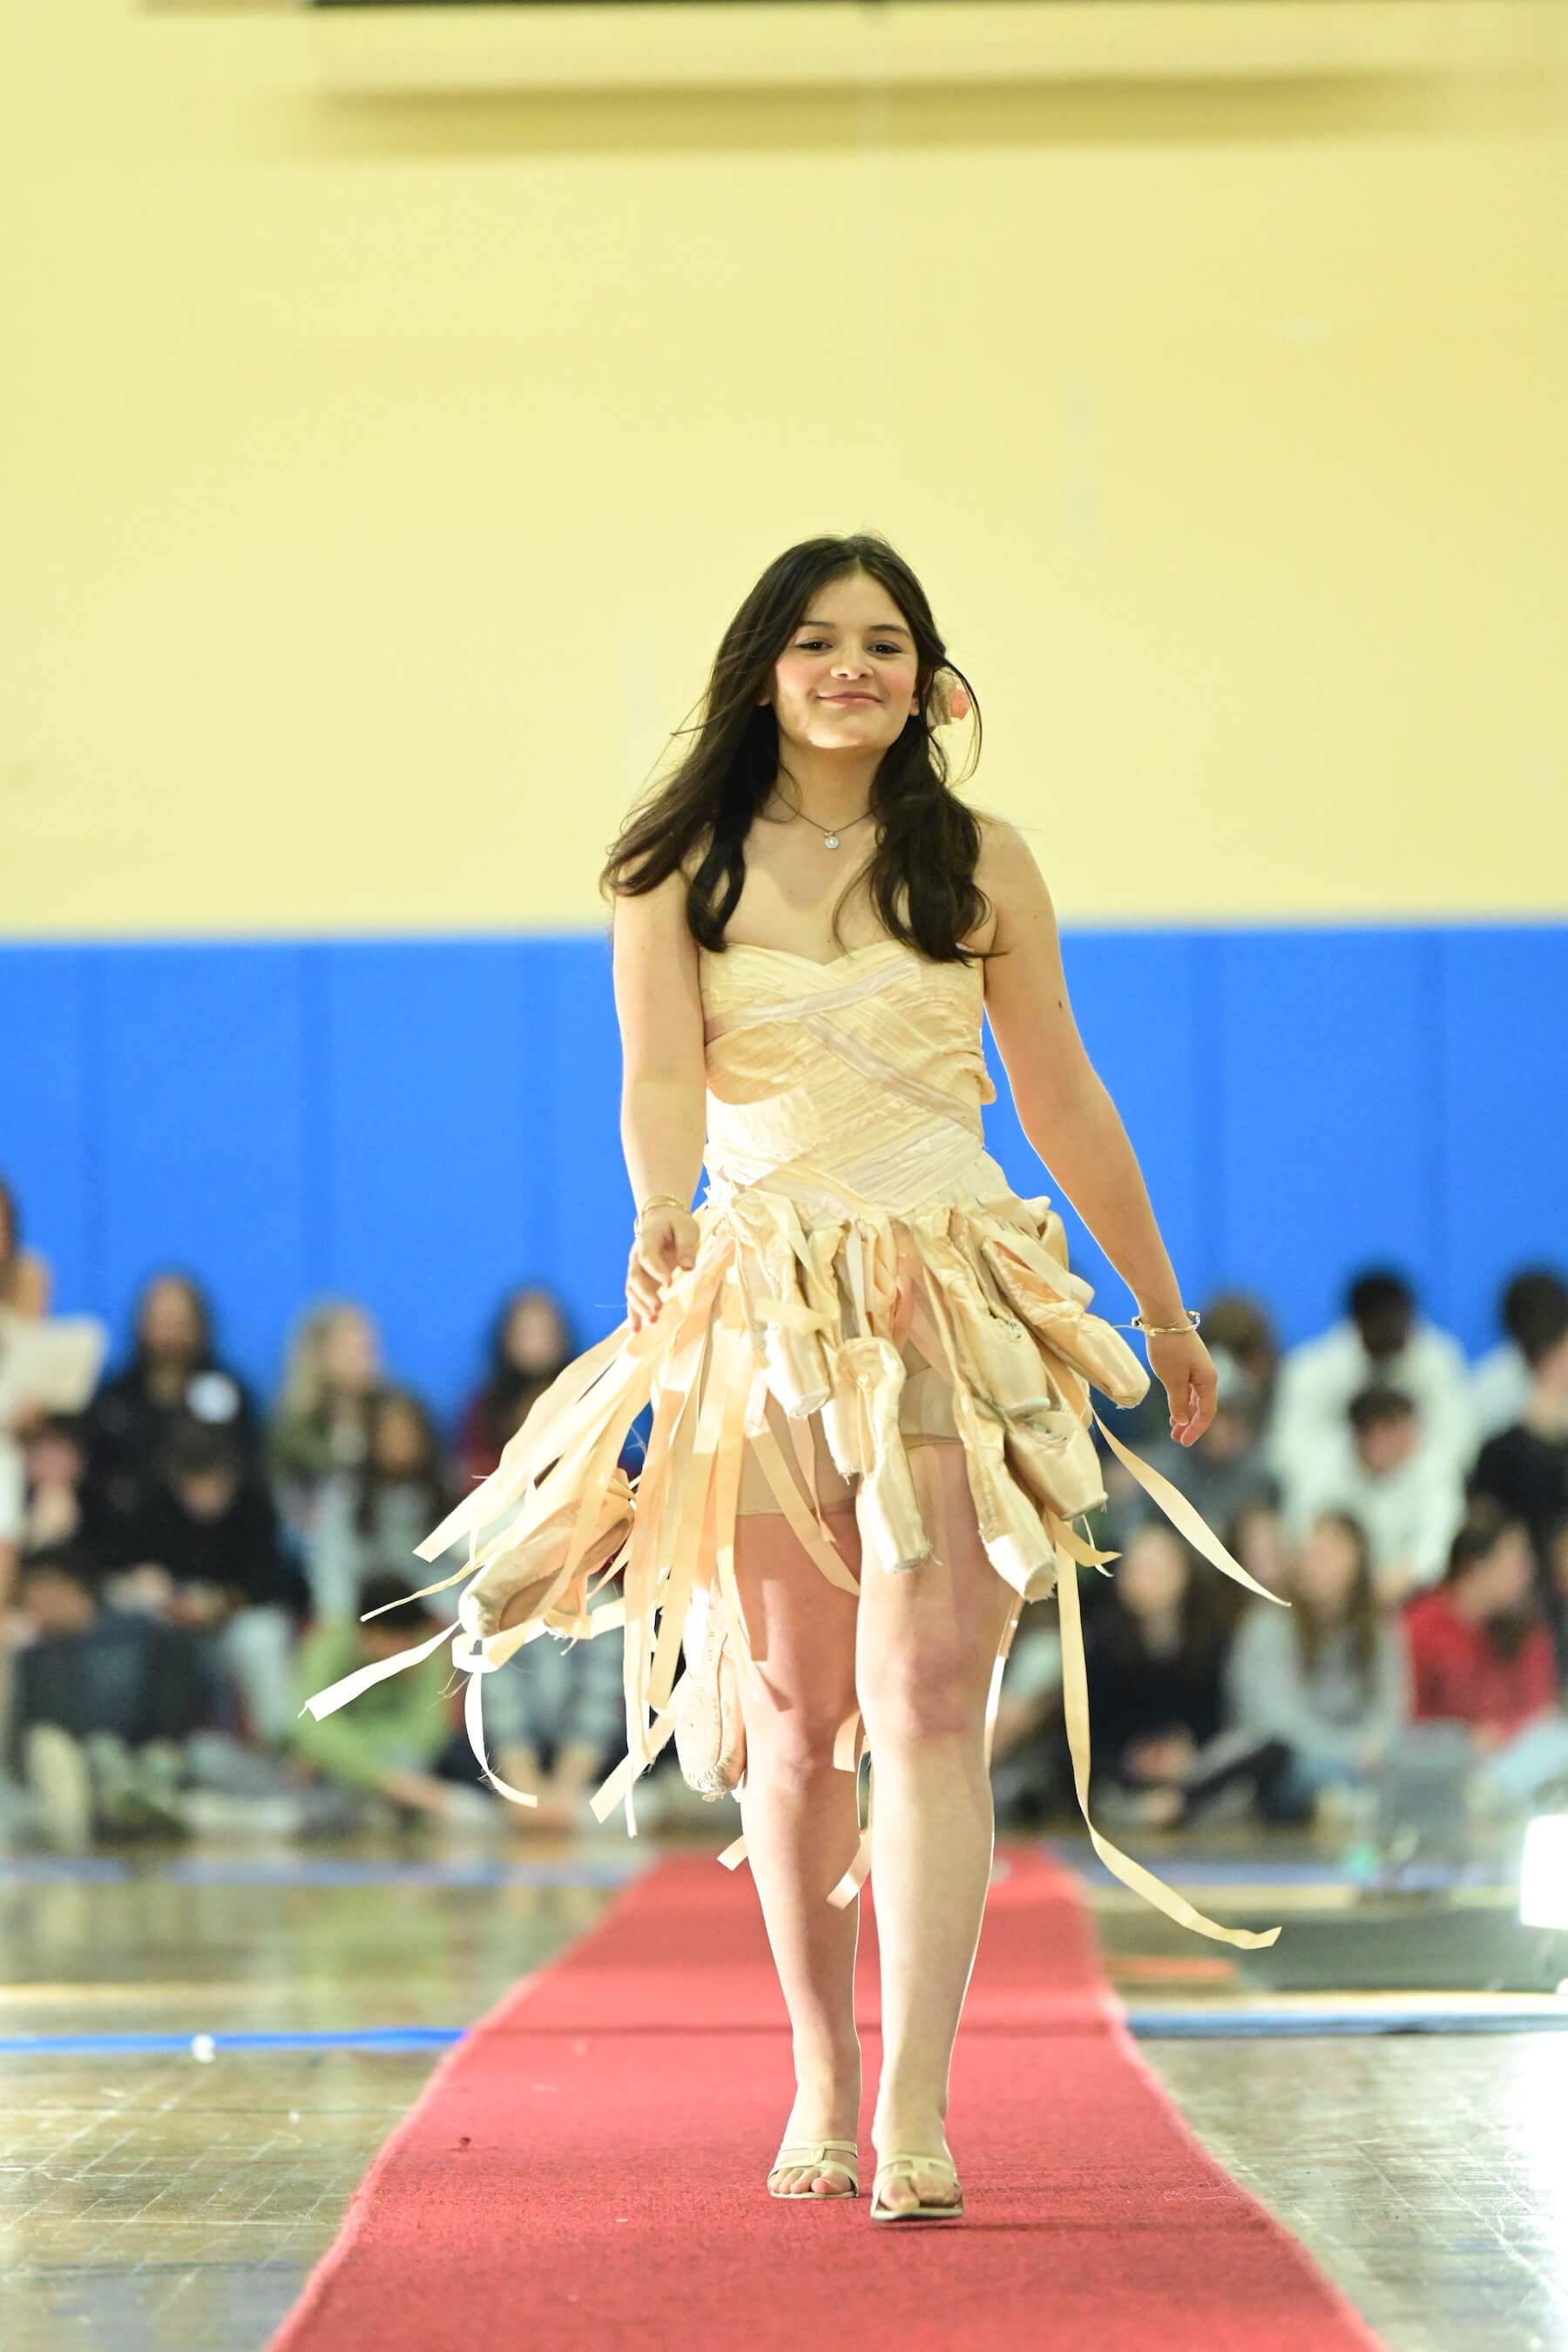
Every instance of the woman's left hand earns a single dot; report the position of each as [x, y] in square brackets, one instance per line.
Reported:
[1185, 1370]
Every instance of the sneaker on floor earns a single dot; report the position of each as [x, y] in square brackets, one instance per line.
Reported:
[115, 1799]
[61, 1781]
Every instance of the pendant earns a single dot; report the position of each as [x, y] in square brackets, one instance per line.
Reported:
[830, 841]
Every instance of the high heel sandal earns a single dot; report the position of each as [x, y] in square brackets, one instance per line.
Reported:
[905, 2163]
[818, 2154]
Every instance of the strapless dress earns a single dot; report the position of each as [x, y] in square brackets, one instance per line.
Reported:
[850, 1202]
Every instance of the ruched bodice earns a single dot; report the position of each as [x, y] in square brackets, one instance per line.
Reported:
[852, 1084]
[848, 1189]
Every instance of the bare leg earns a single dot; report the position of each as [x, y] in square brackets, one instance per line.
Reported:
[800, 1814]
[928, 1642]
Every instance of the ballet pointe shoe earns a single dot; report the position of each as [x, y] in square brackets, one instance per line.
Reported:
[910, 2164]
[819, 2153]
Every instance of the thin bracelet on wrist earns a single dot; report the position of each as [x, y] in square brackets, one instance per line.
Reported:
[1152, 1330]
[653, 1202]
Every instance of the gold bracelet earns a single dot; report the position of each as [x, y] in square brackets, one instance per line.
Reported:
[1152, 1330]
[652, 1203]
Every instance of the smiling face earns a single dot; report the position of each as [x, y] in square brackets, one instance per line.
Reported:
[852, 641]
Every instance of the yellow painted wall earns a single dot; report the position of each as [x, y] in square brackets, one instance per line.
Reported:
[377, 472]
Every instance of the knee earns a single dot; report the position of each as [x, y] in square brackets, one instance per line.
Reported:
[931, 1695]
[793, 1744]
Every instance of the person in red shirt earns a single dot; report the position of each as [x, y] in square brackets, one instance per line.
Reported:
[1481, 1654]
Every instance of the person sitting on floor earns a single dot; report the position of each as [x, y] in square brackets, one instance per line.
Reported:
[1154, 1658]
[102, 1703]
[174, 1375]
[207, 1550]
[1524, 1467]
[1330, 1676]
[383, 1509]
[322, 1424]
[1387, 1474]
[391, 1742]
[1481, 1654]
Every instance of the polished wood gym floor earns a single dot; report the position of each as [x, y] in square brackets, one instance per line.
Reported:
[151, 2196]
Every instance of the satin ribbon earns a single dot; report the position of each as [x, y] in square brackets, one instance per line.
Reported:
[704, 1357]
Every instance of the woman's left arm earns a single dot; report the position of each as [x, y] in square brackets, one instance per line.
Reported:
[1070, 1119]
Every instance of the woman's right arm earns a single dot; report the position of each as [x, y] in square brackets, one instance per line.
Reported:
[659, 1004]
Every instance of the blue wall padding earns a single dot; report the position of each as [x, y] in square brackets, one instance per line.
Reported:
[423, 1123]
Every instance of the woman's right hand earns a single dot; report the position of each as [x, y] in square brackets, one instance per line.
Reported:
[666, 1240]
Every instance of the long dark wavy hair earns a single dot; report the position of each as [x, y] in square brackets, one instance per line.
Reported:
[921, 876]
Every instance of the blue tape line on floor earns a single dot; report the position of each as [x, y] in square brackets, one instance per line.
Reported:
[285, 1871]
[156, 2045]
[1226, 2025]
[1146, 2025]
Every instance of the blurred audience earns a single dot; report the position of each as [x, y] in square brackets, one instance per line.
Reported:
[1409, 1498]
[332, 1379]
[1524, 1466]
[99, 1702]
[1222, 1479]
[1381, 1342]
[1155, 1655]
[1240, 1325]
[380, 1511]
[174, 1582]
[205, 1548]
[1481, 1654]
[530, 1341]
[1329, 1675]
[173, 1374]
[1501, 1380]
[26, 1281]
[387, 1745]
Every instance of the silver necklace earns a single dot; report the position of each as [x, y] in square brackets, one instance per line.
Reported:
[831, 840]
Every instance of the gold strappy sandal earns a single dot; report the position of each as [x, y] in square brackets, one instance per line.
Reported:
[818, 2152]
[912, 2164]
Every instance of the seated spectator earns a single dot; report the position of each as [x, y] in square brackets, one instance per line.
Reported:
[1329, 1675]
[13, 1512]
[1557, 1591]
[1409, 1499]
[103, 1700]
[1501, 1381]
[172, 1375]
[1254, 1534]
[56, 1504]
[1241, 1325]
[1024, 1744]
[205, 1551]
[26, 1280]
[381, 1512]
[24, 1286]
[1481, 1654]
[1380, 1342]
[1225, 1475]
[1524, 1468]
[530, 1342]
[390, 1742]
[323, 1422]
[1154, 1658]
[554, 1721]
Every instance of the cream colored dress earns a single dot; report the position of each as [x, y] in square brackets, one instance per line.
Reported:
[864, 1279]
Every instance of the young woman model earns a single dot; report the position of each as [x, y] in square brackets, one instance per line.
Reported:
[868, 1360]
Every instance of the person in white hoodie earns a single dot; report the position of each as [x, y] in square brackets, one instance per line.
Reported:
[1381, 1339]
[1409, 1499]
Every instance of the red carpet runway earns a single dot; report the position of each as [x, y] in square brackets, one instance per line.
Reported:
[586, 2168]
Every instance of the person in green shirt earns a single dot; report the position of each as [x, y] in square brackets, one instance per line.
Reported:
[388, 1742]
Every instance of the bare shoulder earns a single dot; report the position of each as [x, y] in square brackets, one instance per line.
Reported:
[1009, 874]
[653, 922]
